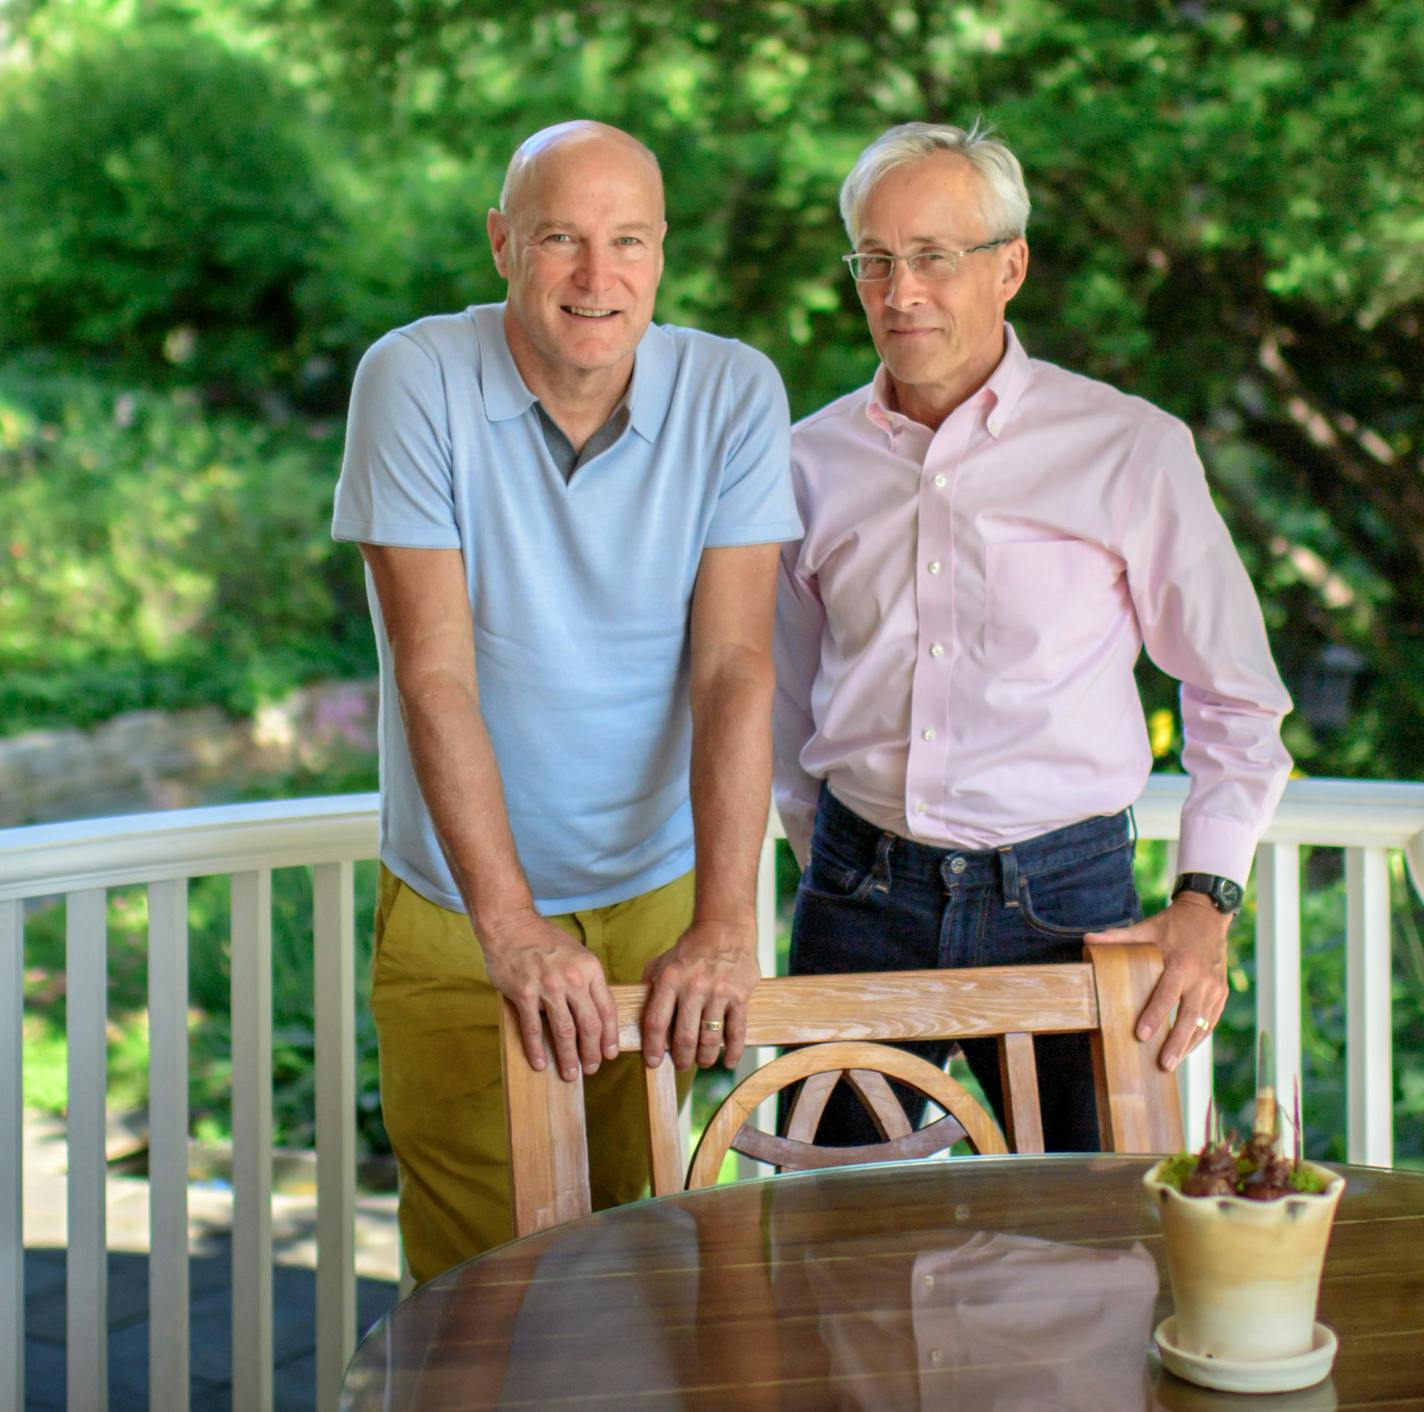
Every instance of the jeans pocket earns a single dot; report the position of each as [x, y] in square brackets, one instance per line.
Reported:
[829, 877]
[1094, 896]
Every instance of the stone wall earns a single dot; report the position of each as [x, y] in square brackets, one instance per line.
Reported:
[154, 760]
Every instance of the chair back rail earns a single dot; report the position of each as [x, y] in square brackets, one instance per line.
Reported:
[902, 1005]
[848, 1020]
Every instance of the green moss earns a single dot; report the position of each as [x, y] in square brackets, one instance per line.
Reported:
[1309, 1180]
[1175, 1170]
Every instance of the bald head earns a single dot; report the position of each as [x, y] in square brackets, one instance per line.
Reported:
[579, 239]
[577, 142]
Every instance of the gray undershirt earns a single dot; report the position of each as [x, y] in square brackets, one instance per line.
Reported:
[561, 449]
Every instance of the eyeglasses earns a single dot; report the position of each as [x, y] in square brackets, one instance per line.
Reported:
[924, 264]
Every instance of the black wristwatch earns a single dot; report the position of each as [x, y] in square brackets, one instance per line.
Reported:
[1225, 895]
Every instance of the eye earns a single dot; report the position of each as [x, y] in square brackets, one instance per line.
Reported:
[934, 257]
[558, 237]
[632, 241]
[874, 266]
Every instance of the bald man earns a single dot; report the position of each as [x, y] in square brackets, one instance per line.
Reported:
[570, 519]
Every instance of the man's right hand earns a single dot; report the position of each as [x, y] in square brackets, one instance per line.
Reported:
[546, 973]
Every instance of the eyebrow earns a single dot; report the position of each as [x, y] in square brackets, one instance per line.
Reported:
[628, 227]
[938, 241]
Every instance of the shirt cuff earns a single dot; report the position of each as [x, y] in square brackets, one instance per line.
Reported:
[1220, 846]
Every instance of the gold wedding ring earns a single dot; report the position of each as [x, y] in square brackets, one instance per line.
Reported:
[713, 1025]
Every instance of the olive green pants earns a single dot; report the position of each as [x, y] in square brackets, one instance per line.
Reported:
[437, 1023]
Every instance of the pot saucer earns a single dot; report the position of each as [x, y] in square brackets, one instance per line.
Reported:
[1239, 1375]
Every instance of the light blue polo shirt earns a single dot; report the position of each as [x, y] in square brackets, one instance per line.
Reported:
[580, 590]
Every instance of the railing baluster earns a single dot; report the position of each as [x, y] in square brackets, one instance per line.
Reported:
[12, 1175]
[1370, 1117]
[1278, 960]
[334, 925]
[86, 994]
[1194, 1074]
[753, 1058]
[252, 1140]
[168, 1146]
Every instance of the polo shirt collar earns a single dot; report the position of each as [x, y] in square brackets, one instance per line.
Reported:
[507, 395]
[504, 391]
[654, 372]
[1006, 385]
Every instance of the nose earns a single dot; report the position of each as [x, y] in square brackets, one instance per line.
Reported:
[904, 289]
[595, 268]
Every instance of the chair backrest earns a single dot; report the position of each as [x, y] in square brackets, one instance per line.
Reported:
[844, 1023]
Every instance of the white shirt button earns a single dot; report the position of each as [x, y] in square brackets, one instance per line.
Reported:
[928, 733]
[934, 566]
[939, 481]
[936, 649]
[994, 425]
[922, 807]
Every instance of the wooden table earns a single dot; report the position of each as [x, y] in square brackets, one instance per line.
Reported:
[978, 1283]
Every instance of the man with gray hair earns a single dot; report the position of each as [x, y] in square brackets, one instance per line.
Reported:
[570, 518]
[990, 542]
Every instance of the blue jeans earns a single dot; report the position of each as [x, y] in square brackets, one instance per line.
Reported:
[870, 900]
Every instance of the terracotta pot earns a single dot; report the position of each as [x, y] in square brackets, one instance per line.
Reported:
[1245, 1274]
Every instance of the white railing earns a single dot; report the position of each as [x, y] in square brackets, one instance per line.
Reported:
[81, 861]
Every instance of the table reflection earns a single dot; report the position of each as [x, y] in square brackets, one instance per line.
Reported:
[996, 1321]
[987, 1284]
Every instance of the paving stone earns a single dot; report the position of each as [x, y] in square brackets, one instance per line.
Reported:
[44, 1376]
[209, 1286]
[45, 1292]
[294, 1384]
[44, 1272]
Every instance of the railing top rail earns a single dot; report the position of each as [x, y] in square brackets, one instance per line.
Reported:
[46, 859]
[136, 848]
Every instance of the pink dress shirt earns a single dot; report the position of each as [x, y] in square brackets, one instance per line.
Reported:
[957, 631]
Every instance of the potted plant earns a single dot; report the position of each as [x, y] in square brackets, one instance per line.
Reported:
[1246, 1230]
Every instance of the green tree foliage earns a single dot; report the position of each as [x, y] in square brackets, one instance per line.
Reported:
[158, 202]
[1229, 219]
[154, 553]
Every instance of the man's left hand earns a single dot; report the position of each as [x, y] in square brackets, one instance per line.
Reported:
[700, 989]
[1191, 935]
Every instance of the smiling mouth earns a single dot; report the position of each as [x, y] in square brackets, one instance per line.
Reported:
[580, 311]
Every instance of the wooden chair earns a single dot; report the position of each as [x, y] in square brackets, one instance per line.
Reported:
[841, 1021]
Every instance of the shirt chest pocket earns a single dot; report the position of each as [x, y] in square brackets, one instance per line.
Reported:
[1048, 605]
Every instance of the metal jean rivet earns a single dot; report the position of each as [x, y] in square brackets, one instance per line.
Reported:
[957, 865]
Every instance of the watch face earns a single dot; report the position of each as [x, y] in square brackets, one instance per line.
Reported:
[1228, 895]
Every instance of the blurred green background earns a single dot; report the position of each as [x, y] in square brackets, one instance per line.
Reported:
[208, 211]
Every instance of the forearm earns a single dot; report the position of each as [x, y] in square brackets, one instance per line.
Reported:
[731, 784]
[459, 777]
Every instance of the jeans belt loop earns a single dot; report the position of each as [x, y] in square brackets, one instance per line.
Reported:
[1009, 875]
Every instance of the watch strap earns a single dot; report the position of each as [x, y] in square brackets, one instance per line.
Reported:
[1225, 894]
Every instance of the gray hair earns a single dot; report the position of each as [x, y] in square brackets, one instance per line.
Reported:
[1004, 201]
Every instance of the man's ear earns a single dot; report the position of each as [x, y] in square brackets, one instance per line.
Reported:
[1014, 269]
[498, 229]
